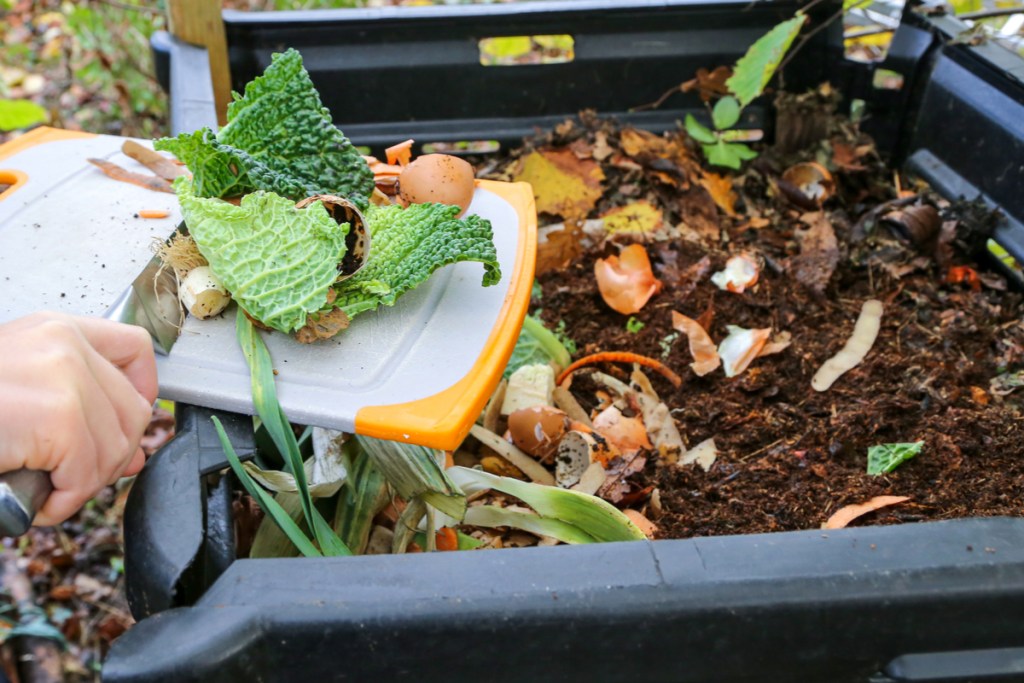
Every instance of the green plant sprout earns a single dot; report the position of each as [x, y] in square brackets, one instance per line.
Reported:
[633, 325]
[750, 76]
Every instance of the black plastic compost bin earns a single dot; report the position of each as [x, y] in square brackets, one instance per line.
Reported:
[926, 602]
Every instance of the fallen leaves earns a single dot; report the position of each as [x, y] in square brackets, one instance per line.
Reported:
[636, 218]
[845, 515]
[563, 184]
[819, 253]
[721, 190]
[626, 281]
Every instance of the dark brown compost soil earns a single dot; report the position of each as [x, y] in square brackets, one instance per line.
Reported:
[789, 456]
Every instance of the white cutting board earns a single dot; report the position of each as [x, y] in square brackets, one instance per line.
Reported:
[419, 371]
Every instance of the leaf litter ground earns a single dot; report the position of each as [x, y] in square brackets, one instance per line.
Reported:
[788, 457]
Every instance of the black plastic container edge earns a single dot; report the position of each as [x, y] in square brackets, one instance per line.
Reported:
[803, 606]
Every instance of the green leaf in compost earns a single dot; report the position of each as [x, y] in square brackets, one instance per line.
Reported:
[538, 344]
[591, 517]
[699, 132]
[726, 113]
[413, 471]
[18, 114]
[408, 246]
[278, 262]
[279, 137]
[266, 501]
[886, 457]
[728, 154]
[364, 494]
[754, 69]
[264, 398]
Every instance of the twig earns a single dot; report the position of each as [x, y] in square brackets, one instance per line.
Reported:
[128, 6]
[990, 13]
[818, 29]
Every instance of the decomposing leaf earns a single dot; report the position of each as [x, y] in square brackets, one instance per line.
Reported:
[702, 348]
[636, 142]
[699, 212]
[886, 457]
[625, 281]
[636, 218]
[557, 246]
[709, 84]
[322, 326]
[819, 253]
[721, 190]
[916, 224]
[619, 470]
[847, 514]
[848, 157]
[563, 184]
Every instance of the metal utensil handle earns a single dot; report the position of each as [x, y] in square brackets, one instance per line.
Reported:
[22, 493]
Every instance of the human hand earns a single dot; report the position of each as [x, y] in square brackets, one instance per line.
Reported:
[76, 396]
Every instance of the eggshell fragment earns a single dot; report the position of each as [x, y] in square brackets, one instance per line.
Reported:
[437, 178]
[576, 453]
[741, 272]
[626, 281]
[740, 348]
[625, 433]
[538, 430]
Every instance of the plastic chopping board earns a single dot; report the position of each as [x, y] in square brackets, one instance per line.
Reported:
[70, 240]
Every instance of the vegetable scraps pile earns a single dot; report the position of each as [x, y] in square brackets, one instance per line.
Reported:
[278, 198]
[288, 220]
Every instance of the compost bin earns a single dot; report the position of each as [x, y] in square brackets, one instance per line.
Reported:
[924, 602]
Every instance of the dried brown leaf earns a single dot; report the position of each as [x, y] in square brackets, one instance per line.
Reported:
[819, 253]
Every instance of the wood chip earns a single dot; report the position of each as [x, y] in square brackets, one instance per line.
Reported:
[154, 161]
[149, 182]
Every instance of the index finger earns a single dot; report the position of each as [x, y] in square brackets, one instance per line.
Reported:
[127, 347]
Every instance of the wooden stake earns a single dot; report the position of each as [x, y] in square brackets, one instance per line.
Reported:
[199, 22]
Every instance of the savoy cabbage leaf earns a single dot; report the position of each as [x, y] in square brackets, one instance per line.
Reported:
[407, 246]
[277, 261]
[538, 344]
[279, 137]
[886, 457]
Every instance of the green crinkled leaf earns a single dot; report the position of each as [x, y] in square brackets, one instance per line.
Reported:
[407, 245]
[277, 261]
[726, 113]
[279, 137]
[754, 69]
[886, 457]
[699, 132]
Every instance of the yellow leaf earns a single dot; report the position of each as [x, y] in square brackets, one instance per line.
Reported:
[637, 217]
[563, 185]
[720, 189]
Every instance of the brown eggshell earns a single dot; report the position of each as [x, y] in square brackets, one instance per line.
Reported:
[437, 178]
[538, 430]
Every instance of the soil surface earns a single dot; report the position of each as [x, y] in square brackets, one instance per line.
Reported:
[790, 456]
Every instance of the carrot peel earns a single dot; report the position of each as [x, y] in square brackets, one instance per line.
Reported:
[623, 357]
